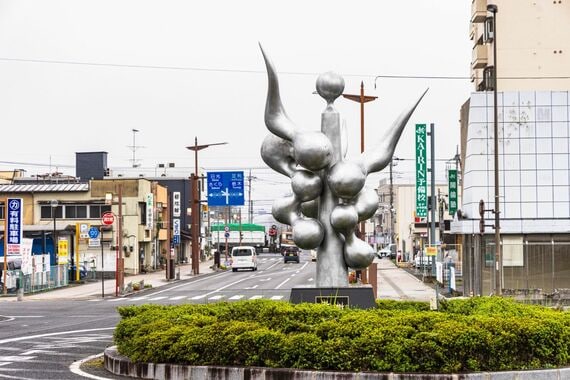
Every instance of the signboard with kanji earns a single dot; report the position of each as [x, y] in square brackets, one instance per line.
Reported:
[13, 225]
[225, 189]
[421, 171]
[452, 186]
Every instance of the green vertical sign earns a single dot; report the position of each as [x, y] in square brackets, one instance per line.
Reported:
[452, 187]
[421, 172]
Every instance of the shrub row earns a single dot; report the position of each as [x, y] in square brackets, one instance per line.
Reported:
[477, 334]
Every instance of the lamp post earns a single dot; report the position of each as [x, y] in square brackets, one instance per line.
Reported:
[195, 206]
[498, 254]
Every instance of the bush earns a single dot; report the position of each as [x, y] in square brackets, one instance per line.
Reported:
[477, 334]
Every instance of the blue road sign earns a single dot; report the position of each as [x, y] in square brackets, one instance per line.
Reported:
[93, 232]
[226, 235]
[225, 189]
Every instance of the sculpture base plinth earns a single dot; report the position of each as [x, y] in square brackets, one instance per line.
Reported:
[352, 296]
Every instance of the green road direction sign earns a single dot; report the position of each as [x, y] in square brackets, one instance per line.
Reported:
[452, 186]
[421, 172]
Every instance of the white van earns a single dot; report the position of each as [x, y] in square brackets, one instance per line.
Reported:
[244, 257]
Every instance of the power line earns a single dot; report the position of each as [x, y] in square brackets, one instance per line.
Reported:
[243, 71]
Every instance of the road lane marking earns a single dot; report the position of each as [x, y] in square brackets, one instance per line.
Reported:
[192, 282]
[157, 298]
[310, 279]
[265, 279]
[215, 298]
[283, 283]
[255, 297]
[76, 367]
[252, 287]
[138, 298]
[14, 358]
[4, 363]
[177, 298]
[236, 297]
[18, 339]
[276, 297]
[199, 297]
[116, 299]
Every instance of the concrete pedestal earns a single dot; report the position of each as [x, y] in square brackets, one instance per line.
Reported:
[353, 296]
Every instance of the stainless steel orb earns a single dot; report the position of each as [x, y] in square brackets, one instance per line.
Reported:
[330, 86]
[346, 179]
[310, 209]
[277, 153]
[313, 150]
[366, 203]
[357, 253]
[306, 185]
[308, 233]
[344, 218]
[284, 210]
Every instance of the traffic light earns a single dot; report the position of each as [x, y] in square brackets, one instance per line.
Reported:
[482, 214]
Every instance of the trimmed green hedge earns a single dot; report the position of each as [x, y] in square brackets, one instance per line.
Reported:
[476, 334]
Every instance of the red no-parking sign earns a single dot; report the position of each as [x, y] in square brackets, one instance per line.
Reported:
[108, 218]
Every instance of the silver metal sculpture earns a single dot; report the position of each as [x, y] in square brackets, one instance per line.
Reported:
[329, 198]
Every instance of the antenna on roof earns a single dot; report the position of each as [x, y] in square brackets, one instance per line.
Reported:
[135, 163]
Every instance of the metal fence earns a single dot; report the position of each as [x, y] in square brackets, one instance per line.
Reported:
[534, 266]
[56, 277]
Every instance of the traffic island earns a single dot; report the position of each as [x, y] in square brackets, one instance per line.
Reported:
[121, 365]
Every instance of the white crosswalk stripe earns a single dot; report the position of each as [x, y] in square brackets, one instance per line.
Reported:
[198, 297]
[177, 298]
[138, 298]
[215, 298]
[276, 297]
[236, 297]
[117, 299]
[157, 298]
[255, 297]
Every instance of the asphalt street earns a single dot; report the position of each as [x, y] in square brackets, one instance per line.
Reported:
[43, 336]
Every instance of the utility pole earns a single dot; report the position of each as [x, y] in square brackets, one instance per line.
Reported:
[391, 203]
[249, 202]
[361, 98]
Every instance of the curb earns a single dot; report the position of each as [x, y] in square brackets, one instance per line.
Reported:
[121, 365]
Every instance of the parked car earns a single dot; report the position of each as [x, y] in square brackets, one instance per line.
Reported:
[291, 254]
[388, 251]
[313, 255]
[244, 257]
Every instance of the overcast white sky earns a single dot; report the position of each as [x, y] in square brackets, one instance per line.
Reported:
[78, 76]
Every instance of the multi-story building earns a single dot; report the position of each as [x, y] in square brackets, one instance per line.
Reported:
[532, 44]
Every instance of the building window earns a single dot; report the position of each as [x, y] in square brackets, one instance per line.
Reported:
[96, 211]
[76, 212]
[489, 32]
[142, 212]
[488, 78]
[2, 210]
[46, 212]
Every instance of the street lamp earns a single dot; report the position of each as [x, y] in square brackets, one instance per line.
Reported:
[54, 203]
[196, 203]
[498, 254]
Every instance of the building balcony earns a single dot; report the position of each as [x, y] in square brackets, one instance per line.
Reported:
[478, 10]
[480, 57]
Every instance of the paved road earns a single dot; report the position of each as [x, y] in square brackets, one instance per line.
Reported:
[44, 334]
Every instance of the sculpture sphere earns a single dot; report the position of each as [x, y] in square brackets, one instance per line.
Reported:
[313, 150]
[346, 179]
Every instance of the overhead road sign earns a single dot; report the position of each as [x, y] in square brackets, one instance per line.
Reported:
[225, 189]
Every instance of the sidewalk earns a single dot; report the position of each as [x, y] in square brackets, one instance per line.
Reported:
[93, 289]
[397, 284]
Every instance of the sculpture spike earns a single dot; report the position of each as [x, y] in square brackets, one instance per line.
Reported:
[276, 118]
[379, 157]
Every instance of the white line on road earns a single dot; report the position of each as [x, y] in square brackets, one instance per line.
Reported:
[4, 363]
[215, 298]
[177, 298]
[76, 367]
[265, 279]
[276, 297]
[138, 298]
[198, 297]
[192, 282]
[310, 279]
[252, 287]
[10, 340]
[283, 283]
[157, 298]
[255, 297]
[117, 299]
[236, 297]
